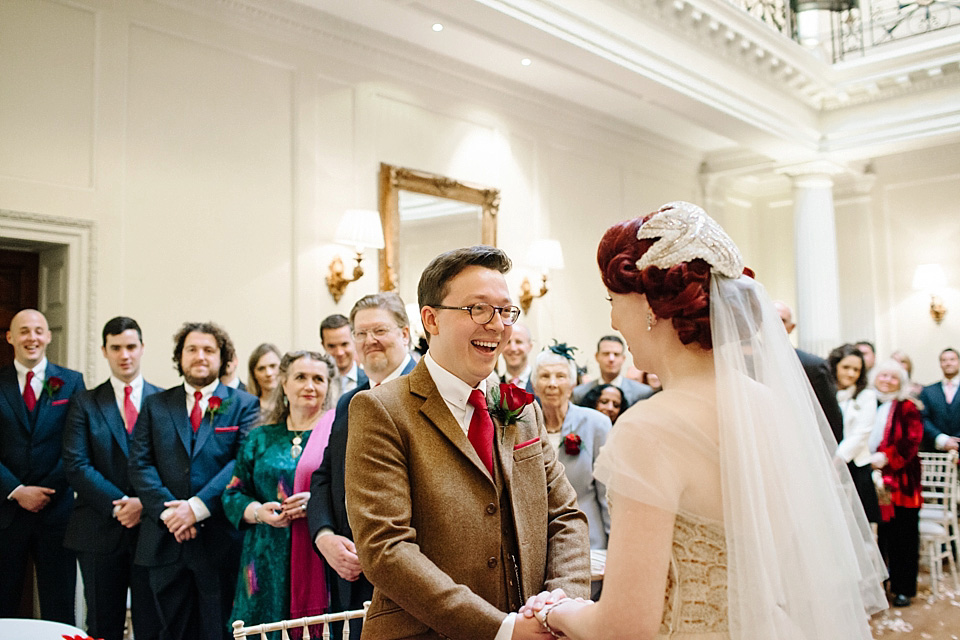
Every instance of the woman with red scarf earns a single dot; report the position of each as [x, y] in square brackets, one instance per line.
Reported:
[896, 440]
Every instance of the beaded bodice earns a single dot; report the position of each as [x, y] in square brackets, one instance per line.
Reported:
[696, 597]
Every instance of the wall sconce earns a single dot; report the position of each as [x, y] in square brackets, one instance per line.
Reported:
[361, 229]
[930, 278]
[546, 254]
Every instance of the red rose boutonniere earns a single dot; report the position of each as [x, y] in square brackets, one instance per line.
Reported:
[507, 404]
[215, 405]
[571, 444]
[52, 385]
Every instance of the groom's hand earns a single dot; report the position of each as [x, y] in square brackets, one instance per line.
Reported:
[341, 554]
[529, 629]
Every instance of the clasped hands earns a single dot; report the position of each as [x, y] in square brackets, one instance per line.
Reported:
[532, 618]
[281, 514]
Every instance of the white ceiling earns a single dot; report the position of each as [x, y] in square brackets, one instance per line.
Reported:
[699, 72]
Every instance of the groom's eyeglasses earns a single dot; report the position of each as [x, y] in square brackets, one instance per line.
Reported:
[482, 313]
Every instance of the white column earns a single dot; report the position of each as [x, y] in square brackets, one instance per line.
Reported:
[815, 243]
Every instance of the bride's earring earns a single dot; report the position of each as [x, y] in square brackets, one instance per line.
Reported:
[651, 320]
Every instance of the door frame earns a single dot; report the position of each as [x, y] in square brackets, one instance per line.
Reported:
[36, 232]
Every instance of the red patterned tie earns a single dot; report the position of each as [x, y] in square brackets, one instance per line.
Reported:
[480, 433]
[29, 396]
[196, 416]
[130, 412]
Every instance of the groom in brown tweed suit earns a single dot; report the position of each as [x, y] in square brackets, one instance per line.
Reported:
[452, 535]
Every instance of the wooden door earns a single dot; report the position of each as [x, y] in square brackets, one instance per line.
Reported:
[19, 289]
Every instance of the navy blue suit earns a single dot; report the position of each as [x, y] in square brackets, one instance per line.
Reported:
[327, 509]
[30, 454]
[938, 416]
[95, 457]
[193, 582]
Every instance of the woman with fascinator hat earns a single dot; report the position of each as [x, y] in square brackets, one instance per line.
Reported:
[730, 516]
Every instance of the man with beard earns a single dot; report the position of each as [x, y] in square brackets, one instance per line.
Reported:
[184, 445]
[516, 356]
[941, 405]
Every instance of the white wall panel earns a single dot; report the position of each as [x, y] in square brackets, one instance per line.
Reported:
[47, 86]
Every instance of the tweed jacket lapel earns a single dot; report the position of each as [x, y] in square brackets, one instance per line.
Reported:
[435, 410]
[106, 403]
[11, 391]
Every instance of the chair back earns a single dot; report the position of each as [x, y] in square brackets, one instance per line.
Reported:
[301, 624]
[939, 484]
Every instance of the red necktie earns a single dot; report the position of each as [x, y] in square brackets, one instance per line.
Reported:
[29, 396]
[130, 412]
[196, 416]
[480, 433]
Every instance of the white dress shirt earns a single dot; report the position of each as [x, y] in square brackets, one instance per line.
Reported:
[949, 388]
[348, 380]
[455, 393]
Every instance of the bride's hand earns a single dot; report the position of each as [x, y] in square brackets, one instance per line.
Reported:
[539, 601]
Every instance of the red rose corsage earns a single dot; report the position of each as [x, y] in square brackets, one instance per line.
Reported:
[571, 444]
[52, 385]
[215, 405]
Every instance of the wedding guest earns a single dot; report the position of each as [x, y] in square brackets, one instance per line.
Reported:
[230, 377]
[263, 366]
[36, 497]
[607, 399]
[338, 343]
[941, 411]
[907, 363]
[105, 522]
[895, 441]
[729, 519]
[576, 432]
[264, 500]
[182, 455]
[869, 353]
[610, 357]
[858, 404]
[516, 355]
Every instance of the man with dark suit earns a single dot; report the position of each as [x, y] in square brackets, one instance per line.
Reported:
[105, 521]
[610, 357]
[184, 446]
[382, 331]
[819, 374]
[37, 500]
[516, 355]
[337, 340]
[459, 513]
[941, 406]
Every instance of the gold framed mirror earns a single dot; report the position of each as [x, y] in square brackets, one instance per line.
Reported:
[424, 214]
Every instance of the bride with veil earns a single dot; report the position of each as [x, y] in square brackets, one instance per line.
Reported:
[730, 517]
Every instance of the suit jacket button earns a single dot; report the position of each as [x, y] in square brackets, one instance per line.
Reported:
[491, 508]
[492, 562]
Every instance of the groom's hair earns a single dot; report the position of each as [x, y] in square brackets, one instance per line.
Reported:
[435, 280]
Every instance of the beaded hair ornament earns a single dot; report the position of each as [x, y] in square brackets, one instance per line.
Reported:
[685, 233]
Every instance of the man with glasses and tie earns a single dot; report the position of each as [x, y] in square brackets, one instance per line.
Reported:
[182, 456]
[460, 512]
[35, 499]
[381, 332]
[105, 522]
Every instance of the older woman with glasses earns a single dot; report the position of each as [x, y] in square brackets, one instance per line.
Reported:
[577, 432]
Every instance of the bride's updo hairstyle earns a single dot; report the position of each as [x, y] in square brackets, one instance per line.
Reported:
[680, 293]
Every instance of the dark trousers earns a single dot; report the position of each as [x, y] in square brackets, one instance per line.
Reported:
[899, 542]
[347, 596]
[106, 578]
[863, 481]
[194, 596]
[56, 566]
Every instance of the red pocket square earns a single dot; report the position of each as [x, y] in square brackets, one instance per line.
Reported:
[526, 444]
[57, 403]
[225, 429]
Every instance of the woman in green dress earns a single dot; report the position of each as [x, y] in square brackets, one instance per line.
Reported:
[261, 496]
